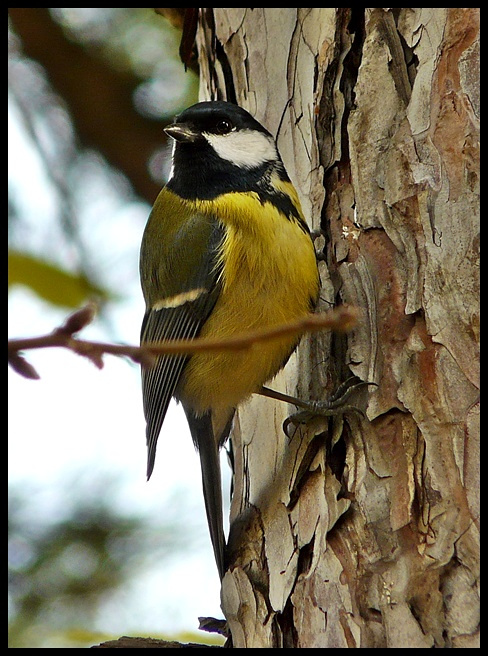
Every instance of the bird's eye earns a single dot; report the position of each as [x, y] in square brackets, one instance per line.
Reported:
[223, 126]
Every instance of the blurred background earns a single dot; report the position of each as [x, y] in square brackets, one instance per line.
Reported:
[95, 551]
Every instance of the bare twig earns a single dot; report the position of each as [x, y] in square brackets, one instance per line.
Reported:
[340, 319]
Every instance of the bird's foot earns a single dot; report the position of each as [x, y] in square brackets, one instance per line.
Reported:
[337, 404]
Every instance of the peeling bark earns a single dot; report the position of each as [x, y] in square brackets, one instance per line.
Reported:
[364, 533]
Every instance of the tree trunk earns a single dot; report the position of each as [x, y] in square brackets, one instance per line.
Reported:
[364, 532]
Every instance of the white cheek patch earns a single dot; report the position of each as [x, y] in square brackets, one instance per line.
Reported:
[172, 169]
[245, 148]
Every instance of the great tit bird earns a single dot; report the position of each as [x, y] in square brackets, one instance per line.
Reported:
[226, 249]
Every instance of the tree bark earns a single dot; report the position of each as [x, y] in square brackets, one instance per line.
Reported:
[364, 532]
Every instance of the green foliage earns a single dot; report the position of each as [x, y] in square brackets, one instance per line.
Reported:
[64, 569]
[52, 283]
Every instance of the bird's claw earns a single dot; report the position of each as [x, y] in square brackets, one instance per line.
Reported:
[336, 404]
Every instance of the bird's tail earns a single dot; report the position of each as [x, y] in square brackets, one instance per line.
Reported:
[202, 434]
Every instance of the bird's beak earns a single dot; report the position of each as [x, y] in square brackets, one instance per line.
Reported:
[182, 132]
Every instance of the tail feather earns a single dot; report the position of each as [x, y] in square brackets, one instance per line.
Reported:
[202, 434]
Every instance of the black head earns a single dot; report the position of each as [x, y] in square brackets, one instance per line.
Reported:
[215, 117]
[219, 147]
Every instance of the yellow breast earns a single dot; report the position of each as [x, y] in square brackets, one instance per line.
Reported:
[269, 277]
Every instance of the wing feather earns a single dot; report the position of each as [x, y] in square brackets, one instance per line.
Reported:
[181, 322]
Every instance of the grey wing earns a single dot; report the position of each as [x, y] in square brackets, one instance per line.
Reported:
[184, 321]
